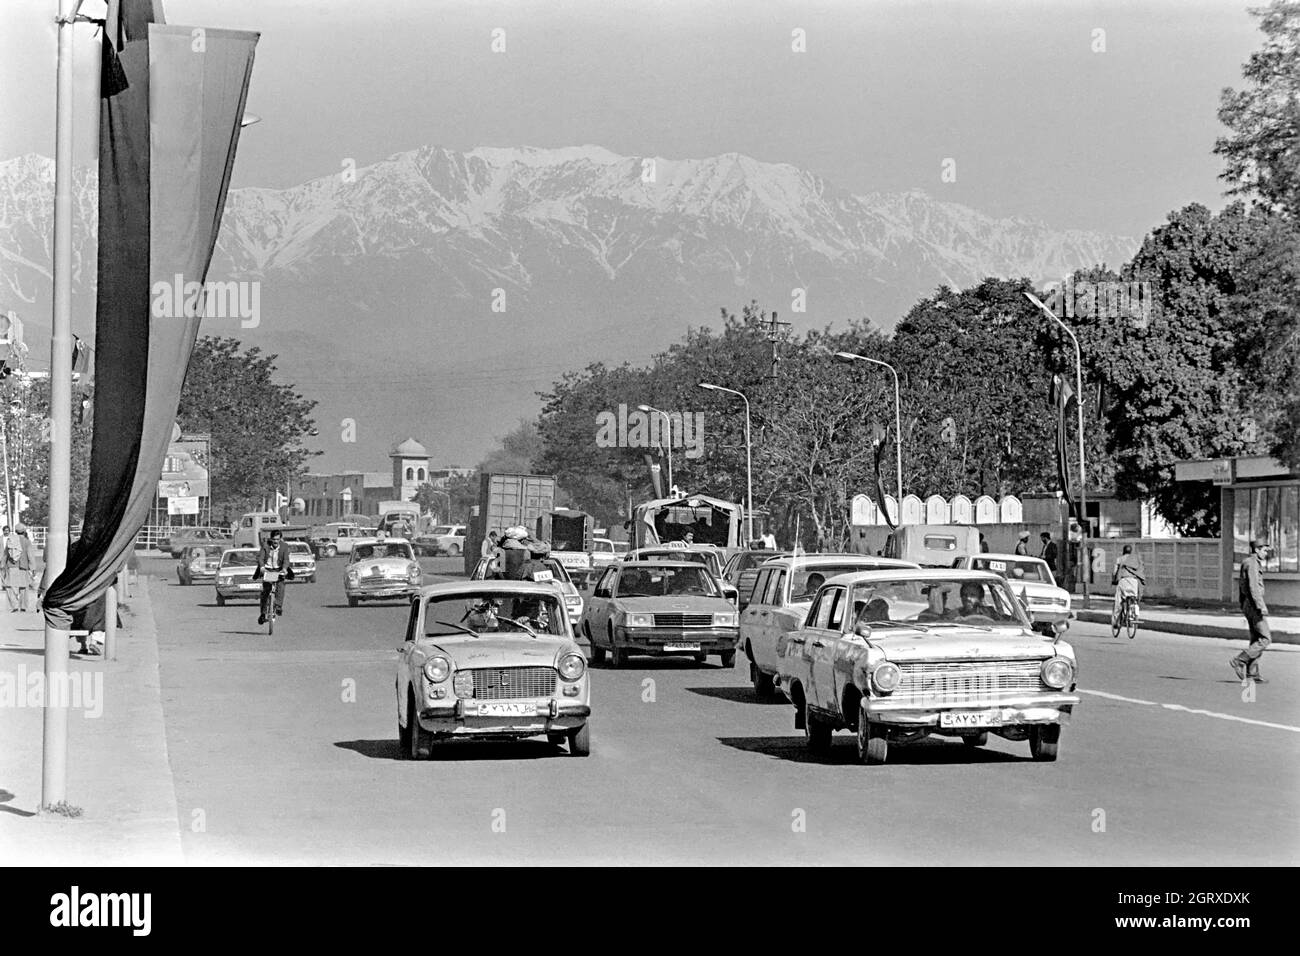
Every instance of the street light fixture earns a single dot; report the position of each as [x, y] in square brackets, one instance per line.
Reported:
[1078, 402]
[749, 460]
[669, 446]
[898, 421]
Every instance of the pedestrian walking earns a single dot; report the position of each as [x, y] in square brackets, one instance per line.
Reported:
[984, 545]
[15, 566]
[32, 577]
[489, 545]
[1022, 546]
[1048, 553]
[1250, 592]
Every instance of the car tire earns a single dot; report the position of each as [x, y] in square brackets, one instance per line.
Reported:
[817, 733]
[873, 744]
[352, 602]
[331, 551]
[557, 738]
[404, 739]
[421, 741]
[976, 740]
[1044, 741]
[728, 659]
[580, 741]
[764, 686]
[701, 658]
[597, 654]
[221, 601]
[454, 550]
[619, 656]
[311, 579]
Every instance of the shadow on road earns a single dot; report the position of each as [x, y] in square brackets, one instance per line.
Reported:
[659, 664]
[844, 751]
[5, 797]
[740, 695]
[458, 750]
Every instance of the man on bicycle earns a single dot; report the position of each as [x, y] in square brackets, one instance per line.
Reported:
[273, 569]
[1128, 581]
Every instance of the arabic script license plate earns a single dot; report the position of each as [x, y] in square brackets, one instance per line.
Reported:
[682, 647]
[490, 709]
[250, 587]
[970, 718]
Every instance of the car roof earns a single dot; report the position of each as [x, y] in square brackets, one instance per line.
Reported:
[914, 574]
[825, 560]
[451, 588]
[242, 547]
[623, 565]
[1000, 556]
[380, 541]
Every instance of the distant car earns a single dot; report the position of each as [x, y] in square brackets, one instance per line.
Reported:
[302, 561]
[741, 570]
[336, 537]
[896, 656]
[604, 552]
[782, 592]
[381, 569]
[184, 538]
[442, 539]
[1031, 579]
[235, 575]
[559, 578]
[704, 554]
[494, 660]
[198, 564]
[660, 608]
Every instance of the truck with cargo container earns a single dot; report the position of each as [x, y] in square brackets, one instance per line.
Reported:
[507, 501]
[253, 525]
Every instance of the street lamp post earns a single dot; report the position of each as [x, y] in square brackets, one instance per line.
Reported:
[898, 421]
[1078, 403]
[749, 460]
[669, 446]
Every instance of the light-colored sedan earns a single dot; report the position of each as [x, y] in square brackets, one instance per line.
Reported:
[558, 578]
[1032, 581]
[778, 604]
[659, 608]
[896, 656]
[235, 575]
[491, 659]
[302, 561]
[381, 569]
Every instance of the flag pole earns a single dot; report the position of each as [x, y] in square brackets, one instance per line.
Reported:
[54, 737]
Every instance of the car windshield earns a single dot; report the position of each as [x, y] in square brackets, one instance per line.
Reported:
[239, 559]
[371, 552]
[658, 582]
[936, 602]
[1032, 571]
[495, 612]
[805, 582]
[298, 547]
[441, 529]
[204, 551]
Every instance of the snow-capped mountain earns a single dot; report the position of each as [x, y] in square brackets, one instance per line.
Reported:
[470, 280]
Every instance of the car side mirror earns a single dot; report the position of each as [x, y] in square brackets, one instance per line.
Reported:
[863, 630]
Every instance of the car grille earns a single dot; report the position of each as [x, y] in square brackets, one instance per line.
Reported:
[511, 683]
[964, 682]
[683, 620]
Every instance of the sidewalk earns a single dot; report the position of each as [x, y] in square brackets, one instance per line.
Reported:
[1221, 622]
[118, 772]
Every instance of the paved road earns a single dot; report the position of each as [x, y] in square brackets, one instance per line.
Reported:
[283, 750]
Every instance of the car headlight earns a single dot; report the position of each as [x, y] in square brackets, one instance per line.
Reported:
[463, 684]
[886, 677]
[572, 666]
[573, 600]
[639, 620]
[725, 620]
[1057, 673]
[437, 670]
[353, 577]
[413, 572]
[224, 579]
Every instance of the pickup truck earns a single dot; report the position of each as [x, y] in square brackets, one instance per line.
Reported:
[334, 538]
[252, 526]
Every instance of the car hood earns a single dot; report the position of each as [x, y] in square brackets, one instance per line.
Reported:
[237, 572]
[366, 563]
[965, 644]
[675, 604]
[1039, 589]
[521, 651]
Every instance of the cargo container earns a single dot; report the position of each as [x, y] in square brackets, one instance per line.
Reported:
[505, 501]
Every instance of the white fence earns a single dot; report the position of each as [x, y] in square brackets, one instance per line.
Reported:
[147, 538]
[938, 510]
[1173, 567]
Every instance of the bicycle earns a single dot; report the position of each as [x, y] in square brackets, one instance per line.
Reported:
[1127, 619]
[270, 582]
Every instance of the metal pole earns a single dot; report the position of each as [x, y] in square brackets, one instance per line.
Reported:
[749, 478]
[110, 623]
[54, 737]
[898, 441]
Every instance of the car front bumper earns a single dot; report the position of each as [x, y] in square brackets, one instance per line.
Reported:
[245, 589]
[658, 640]
[1010, 712]
[461, 718]
[393, 590]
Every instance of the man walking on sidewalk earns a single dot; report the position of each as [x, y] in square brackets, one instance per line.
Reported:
[16, 564]
[1250, 590]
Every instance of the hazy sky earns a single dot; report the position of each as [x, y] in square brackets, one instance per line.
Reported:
[1039, 124]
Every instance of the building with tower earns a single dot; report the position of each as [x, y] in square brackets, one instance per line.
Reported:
[329, 497]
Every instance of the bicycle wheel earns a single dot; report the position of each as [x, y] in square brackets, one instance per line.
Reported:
[1131, 620]
[1116, 622]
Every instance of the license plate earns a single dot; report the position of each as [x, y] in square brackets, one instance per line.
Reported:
[970, 718]
[488, 709]
[250, 587]
[681, 647]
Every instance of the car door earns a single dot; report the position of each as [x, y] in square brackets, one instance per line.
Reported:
[596, 616]
[404, 652]
[820, 642]
[796, 660]
[754, 615]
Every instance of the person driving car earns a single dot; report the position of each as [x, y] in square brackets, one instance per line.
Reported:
[812, 585]
[972, 598]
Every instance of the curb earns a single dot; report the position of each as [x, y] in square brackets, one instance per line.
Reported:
[1220, 631]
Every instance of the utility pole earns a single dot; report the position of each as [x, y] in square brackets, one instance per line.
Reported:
[774, 335]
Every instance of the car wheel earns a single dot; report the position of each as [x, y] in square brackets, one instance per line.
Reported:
[580, 741]
[620, 658]
[873, 745]
[557, 738]
[221, 601]
[1043, 742]
[454, 550]
[816, 732]
[352, 602]
[764, 686]
[976, 740]
[701, 658]
[330, 552]
[403, 739]
[728, 659]
[311, 579]
[421, 741]
[598, 654]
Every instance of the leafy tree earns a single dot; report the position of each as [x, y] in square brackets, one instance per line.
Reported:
[257, 424]
[1262, 151]
[517, 452]
[25, 408]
